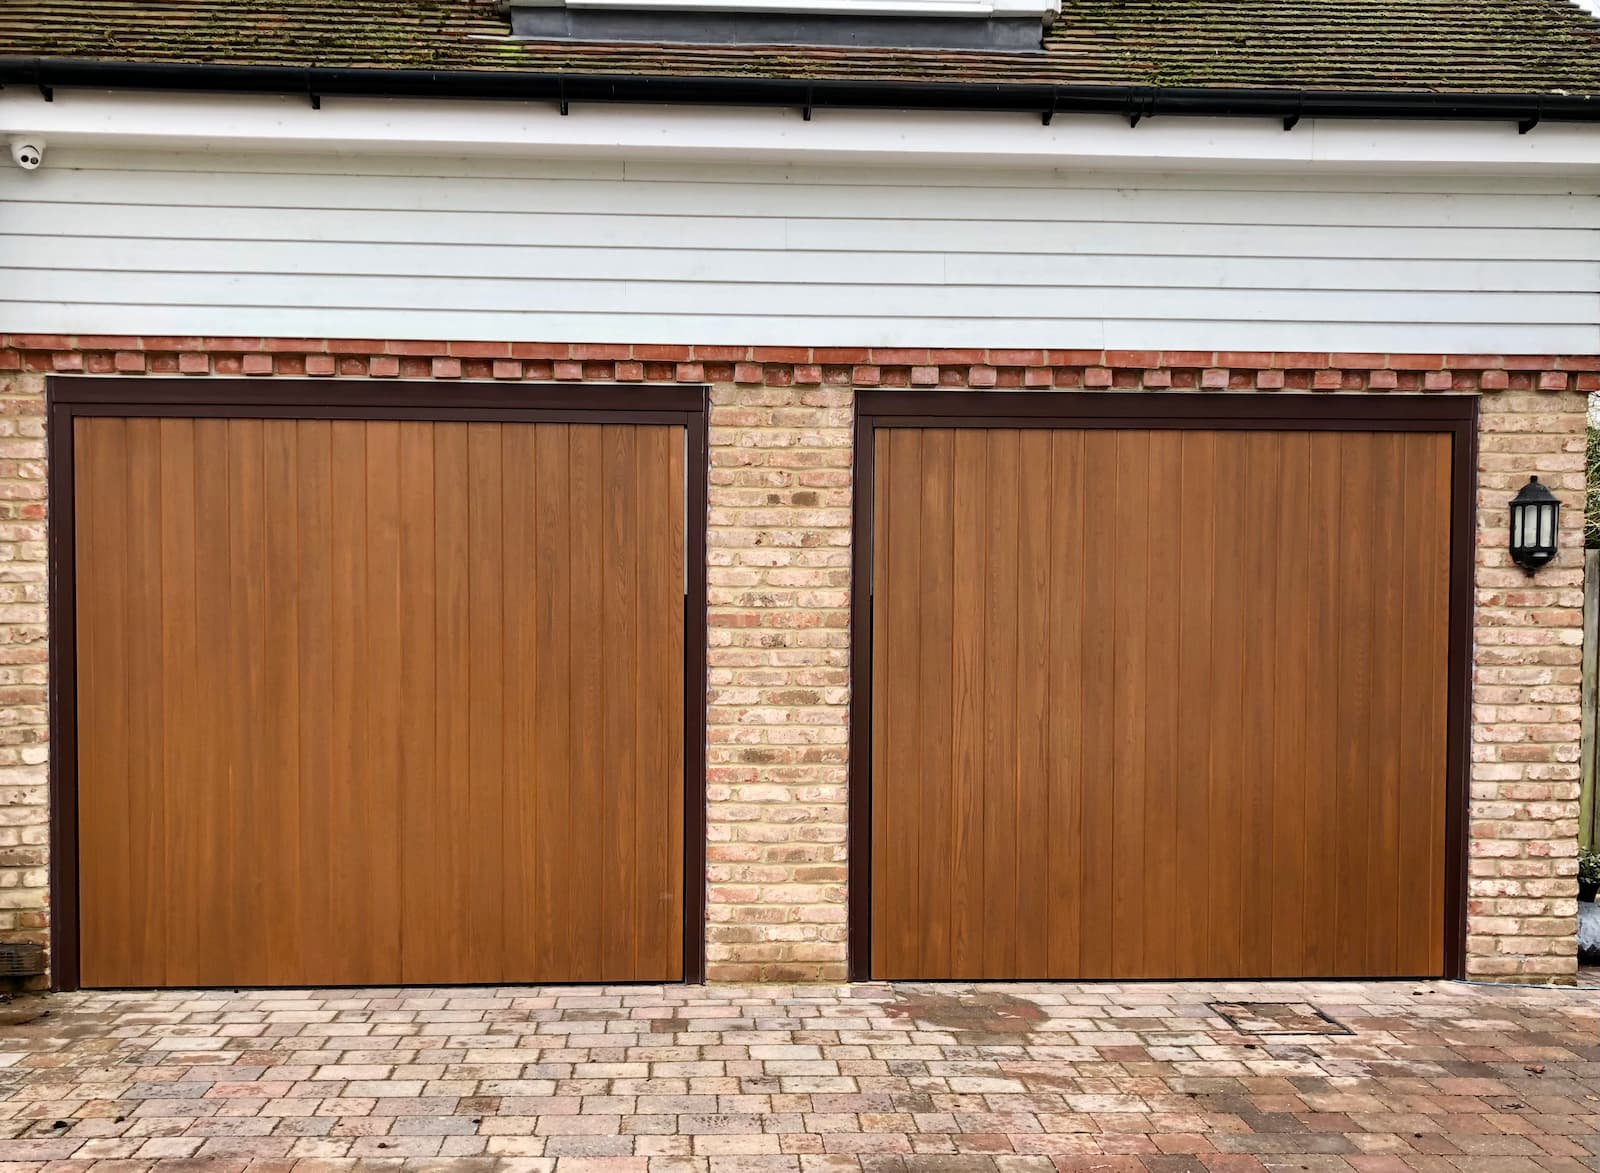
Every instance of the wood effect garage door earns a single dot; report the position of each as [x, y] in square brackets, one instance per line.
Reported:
[367, 701]
[1156, 703]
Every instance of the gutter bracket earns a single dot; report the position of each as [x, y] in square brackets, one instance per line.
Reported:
[48, 93]
[1141, 105]
[561, 98]
[1293, 120]
[1527, 124]
[1050, 111]
[311, 93]
[805, 111]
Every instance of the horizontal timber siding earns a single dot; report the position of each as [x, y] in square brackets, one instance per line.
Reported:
[771, 256]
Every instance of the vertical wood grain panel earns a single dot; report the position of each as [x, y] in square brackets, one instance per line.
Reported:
[1260, 540]
[519, 836]
[1160, 875]
[101, 521]
[314, 517]
[147, 817]
[619, 648]
[377, 676]
[246, 875]
[1032, 862]
[1194, 705]
[1389, 737]
[183, 703]
[1289, 886]
[659, 898]
[1319, 900]
[1225, 775]
[1102, 580]
[452, 763]
[1353, 750]
[1066, 689]
[358, 697]
[1129, 510]
[556, 885]
[969, 649]
[998, 814]
[433, 929]
[207, 735]
[486, 699]
[933, 809]
[903, 728]
[585, 609]
[350, 853]
[1196, 555]
[282, 786]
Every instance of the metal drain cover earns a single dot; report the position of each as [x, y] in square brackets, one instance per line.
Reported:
[1278, 1018]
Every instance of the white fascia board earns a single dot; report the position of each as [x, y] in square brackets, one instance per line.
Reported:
[225, 123]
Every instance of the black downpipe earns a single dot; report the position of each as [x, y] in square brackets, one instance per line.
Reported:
[1132, 102]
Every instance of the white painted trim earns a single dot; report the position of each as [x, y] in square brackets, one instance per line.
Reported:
[153, 120]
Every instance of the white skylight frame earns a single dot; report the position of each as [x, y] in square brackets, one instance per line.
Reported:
[971, 9]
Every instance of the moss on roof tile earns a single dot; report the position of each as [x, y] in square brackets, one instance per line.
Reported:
[1448, 46]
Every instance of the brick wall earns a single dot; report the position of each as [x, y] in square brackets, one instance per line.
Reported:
[1523, 838]
[779, 652]
[779, 555]
[24, 737]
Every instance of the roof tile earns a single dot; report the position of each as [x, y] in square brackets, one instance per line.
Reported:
[1448, 46]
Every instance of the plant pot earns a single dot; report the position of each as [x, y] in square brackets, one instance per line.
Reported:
[1587, 890]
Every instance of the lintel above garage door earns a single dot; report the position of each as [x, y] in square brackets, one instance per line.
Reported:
[376, 684]
[1160, 685]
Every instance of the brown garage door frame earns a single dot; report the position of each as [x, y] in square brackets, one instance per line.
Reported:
[1454, 415]
[67, 398]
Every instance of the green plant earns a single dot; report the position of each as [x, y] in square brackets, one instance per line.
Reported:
[1589, 865]
[1591, 494]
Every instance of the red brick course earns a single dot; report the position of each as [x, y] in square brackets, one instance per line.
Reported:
[786, 365]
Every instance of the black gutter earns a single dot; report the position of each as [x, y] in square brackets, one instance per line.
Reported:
[1132, 102]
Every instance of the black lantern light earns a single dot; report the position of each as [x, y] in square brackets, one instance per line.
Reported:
[1534, 512]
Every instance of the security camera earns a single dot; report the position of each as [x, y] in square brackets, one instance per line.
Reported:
[27, 153]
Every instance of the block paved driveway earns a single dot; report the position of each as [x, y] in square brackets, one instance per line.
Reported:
[1435, 1078]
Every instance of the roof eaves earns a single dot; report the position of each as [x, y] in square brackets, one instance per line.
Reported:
[1135, 102]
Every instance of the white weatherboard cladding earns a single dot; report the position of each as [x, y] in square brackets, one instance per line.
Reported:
[754, 254]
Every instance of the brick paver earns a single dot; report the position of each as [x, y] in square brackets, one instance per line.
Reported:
[1434, 1077]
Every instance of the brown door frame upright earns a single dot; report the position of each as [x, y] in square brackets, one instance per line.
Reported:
[1453, 415]
[68, 397]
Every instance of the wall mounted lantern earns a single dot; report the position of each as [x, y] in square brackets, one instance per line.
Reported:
[1534, 512]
